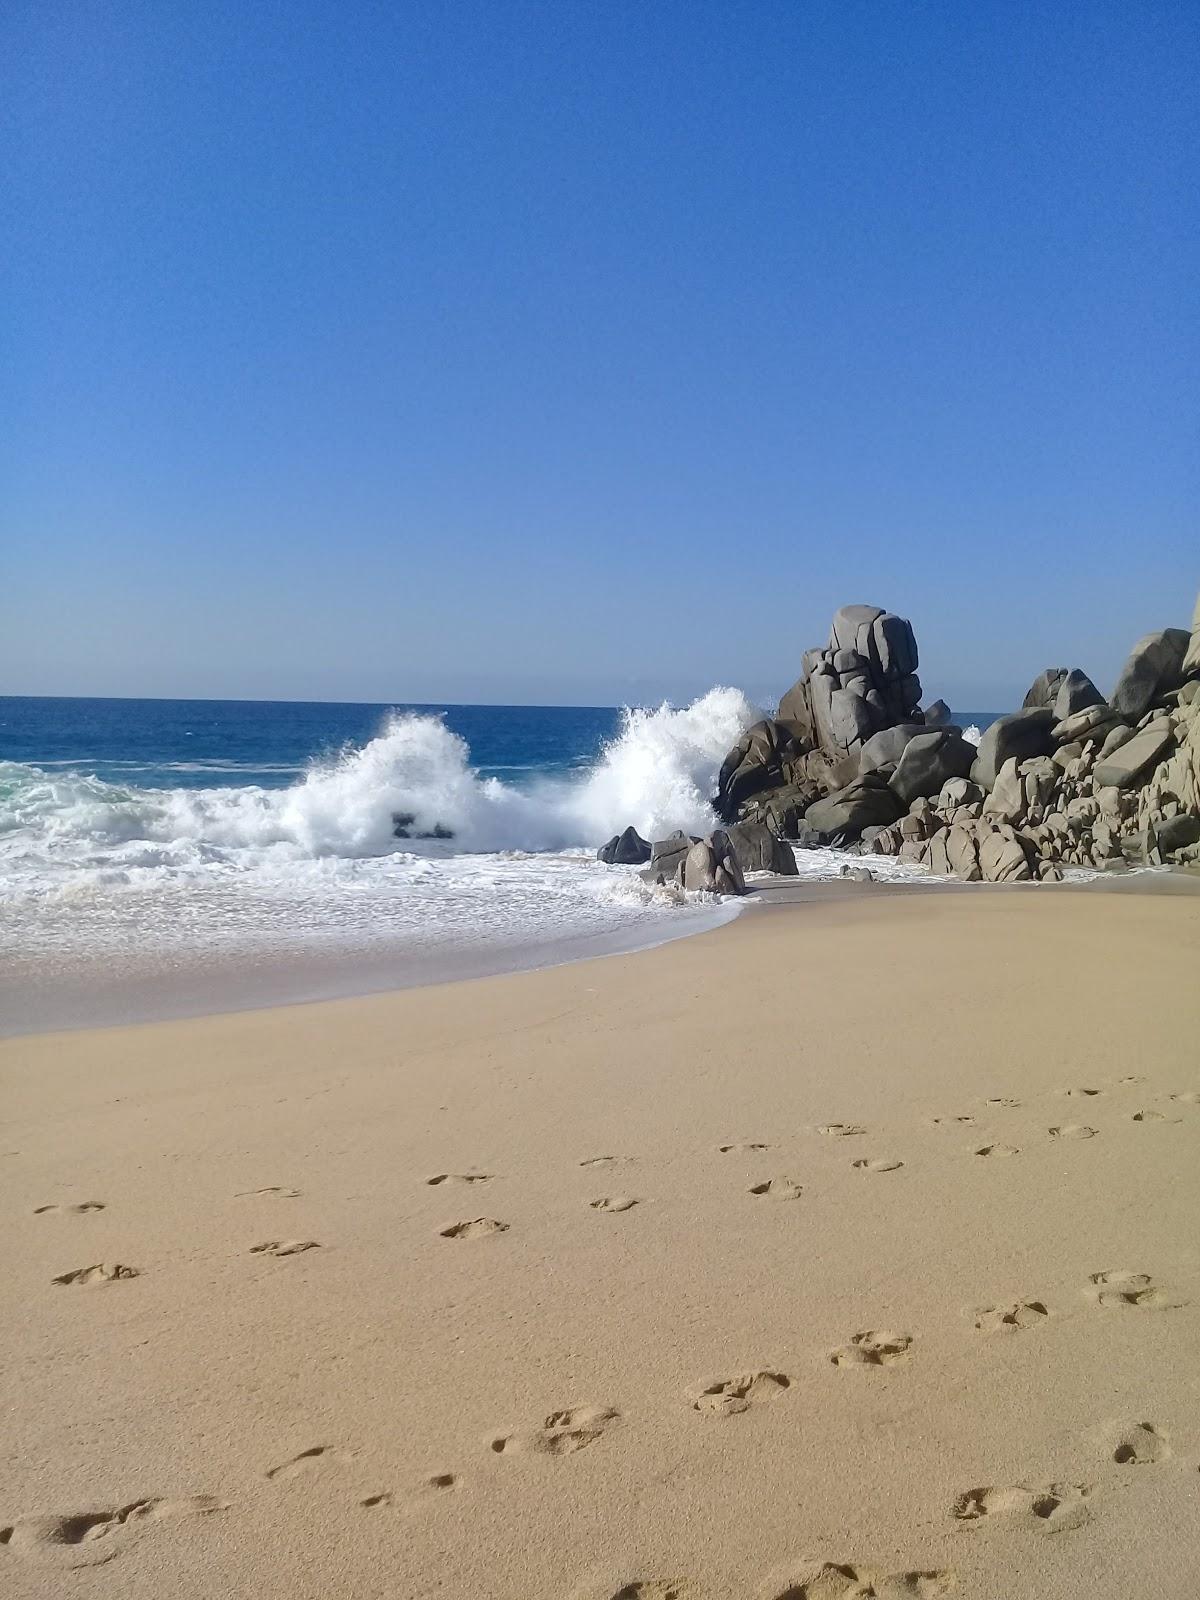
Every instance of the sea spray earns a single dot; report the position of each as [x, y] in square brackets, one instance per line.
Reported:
[657, 773]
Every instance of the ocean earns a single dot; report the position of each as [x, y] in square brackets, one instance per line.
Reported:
[151, 848]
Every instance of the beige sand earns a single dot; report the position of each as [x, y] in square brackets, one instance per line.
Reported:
[710, 1393]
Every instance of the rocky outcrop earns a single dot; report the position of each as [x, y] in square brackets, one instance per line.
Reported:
[850, 759]
[1069, 780]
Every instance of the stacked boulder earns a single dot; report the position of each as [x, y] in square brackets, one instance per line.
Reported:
[863, 681]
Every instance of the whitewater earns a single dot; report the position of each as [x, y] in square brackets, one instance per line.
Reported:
[151, 883]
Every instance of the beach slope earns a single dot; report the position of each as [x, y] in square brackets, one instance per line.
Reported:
[846, 1250]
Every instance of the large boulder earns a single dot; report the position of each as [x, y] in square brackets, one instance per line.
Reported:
[667, 857]
[626, 849]
[1076, 692]
[862, 804]
[1044, 689]
[928, 760]
[758, 850]
[1090, 723]
[1021, 734]
[1155, 666]
[883, 750]
[938, 715]
[1133, 762]
[756, 762]
[711, 867]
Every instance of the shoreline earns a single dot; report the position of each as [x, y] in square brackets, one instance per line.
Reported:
[38, 999]
[452, 1290]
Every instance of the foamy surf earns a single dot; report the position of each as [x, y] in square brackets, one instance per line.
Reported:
[134, 881]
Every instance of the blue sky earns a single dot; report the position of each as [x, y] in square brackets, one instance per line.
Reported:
[583, 352]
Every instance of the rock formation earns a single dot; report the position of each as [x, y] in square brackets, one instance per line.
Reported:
[1070, 779]
[850, 759]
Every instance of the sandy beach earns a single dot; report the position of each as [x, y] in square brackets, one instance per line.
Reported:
[845, 1250]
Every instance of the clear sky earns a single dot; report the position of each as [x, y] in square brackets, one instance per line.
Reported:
[591, 350]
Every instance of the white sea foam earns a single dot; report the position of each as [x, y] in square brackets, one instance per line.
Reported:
[973, 733]
[84, 863]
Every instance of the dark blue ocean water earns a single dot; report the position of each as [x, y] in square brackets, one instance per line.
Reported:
[157, 744]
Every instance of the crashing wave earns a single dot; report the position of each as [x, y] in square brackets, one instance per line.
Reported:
[412, 788]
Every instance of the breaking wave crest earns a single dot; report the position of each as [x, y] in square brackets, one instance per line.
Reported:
[411, 790]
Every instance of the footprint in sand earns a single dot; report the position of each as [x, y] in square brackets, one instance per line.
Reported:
[602, 1163]
[729, 1396]
[1073, 1130]
[872, 1349]
[102, 1272]
[88, 1538]
[478, 1228]
[1056, 1509]
[1147, 1114]
[1132, 1077]
[459, 1177]
[639, 1589]
[1190, 1097]
[997, 1150]
[317, 1458]
[841, 1130]
[1082, 1093]
[1138, 1444]
[953, 1122]
[613, 1202]
[277, 1189]
[1001, 1102]
[1120, 1288]
[434, 1485]
[563, 1433]
[876, 1164]
[843, 1581]
[77, 1210]
[777, 1189]
[283, 1247]
[750, 1149]
[1011, 1318]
